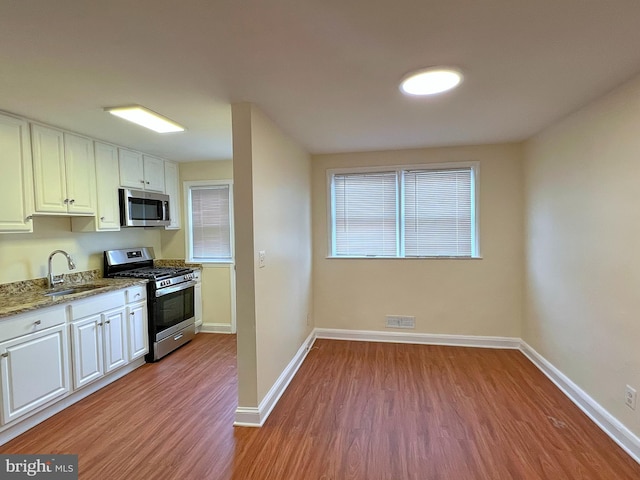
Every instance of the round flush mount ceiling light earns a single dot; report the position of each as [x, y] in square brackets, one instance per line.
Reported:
[430, 81]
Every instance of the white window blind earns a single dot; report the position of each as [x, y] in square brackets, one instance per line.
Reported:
[438, 212]
[365, 207]
[210, 222]
[425, 211]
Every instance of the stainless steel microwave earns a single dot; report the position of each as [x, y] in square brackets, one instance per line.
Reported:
[143, 209]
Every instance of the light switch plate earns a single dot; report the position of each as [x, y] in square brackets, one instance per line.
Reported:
[262, 256]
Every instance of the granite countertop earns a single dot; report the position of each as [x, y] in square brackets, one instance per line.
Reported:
[175, 262]
[28, 295]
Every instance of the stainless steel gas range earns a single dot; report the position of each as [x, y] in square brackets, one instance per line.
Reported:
[170, 297]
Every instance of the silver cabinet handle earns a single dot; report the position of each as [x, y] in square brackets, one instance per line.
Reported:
[132, 313]
[102, 219]
[147, 183]
[108, 321]
[141, 181]
[5, 355]
[72, 201]
[37, 322]
[66, 200]
[100, 324]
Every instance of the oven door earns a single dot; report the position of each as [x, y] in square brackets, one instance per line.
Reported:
[171, 310]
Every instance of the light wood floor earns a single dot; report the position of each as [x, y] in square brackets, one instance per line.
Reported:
[366, 411]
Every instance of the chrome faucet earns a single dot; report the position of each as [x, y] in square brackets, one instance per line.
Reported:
[58, 279]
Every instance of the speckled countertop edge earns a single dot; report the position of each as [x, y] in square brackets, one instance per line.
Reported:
[28, 295]
[175, 262]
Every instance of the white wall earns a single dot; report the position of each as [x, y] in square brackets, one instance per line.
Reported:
[582, 308]
[24, 256]
[453, 296]
[272, 188]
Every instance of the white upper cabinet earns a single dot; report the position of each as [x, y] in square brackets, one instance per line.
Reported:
[141, 172]
[16, 180]
[107, 186]
[153, 173]
[80, 169]
[131, 169]
[48, 168]
[107, 216]
[172, 188]
[64, 172]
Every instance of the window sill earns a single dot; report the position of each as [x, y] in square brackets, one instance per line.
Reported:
[212, 263]
[329, 257]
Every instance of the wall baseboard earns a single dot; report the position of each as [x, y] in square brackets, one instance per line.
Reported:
[255, 417]
[419, 338]
[620, 434]
[215, 328]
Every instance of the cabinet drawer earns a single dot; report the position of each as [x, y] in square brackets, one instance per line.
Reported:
[31, 322]
[136, 294]
[97, 304]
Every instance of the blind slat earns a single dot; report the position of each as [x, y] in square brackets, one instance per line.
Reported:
[210, 222]
[438, 216]
[365, 214]
[430, 212]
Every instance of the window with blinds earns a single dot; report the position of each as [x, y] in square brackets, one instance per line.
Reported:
[405, 212]
[209, 222]
[366, 214]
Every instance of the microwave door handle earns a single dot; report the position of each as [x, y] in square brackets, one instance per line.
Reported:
[165, 211]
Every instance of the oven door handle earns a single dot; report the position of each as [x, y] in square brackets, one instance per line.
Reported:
[175, 288]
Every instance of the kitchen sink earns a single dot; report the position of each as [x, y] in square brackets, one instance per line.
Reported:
[70, 290]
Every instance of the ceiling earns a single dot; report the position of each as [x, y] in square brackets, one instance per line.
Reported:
[325, 71]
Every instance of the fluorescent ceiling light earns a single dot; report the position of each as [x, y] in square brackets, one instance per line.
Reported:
[146, 118]
[430, 81]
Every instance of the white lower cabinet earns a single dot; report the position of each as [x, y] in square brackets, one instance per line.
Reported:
[197, 298]
[99, 345]
[86, 341]
[137, 329]
[34, 369]
[115, 340]
[46, 354]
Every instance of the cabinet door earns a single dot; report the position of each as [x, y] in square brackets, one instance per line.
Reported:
[108, 216]
[153, 174]
[138, 336]
[115, 339]
[87, 349]
[34, 371]
[172, 188]
[131, 169]
[49, 170]
[16, 181]
[197, 300]
[80, 171]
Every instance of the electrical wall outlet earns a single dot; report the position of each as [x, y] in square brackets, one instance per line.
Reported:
[400, 321]
[630, 397]
[262, 258]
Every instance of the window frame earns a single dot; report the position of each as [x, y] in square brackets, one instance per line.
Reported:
[188, 235]
[398, 169]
